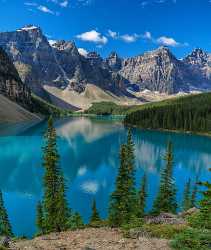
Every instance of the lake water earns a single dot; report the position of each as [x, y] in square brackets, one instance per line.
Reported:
[89, 150]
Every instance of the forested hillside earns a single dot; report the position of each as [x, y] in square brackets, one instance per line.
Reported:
[190, 113]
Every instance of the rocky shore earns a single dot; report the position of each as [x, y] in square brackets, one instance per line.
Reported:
[90, 239]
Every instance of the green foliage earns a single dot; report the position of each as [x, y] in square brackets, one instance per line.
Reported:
[134, 223]
[3, 248]
[63, 212]
[75, 222]
[45, 108]
[192, 239]
[123, 200]
[40, 222]
[5, 227]
[55, 208]
[186, 204]
[107, 108]
[166, 198]
[142, 195]
[205, 206]
[193, 202]
[165, 231]
[95, 217]
[191, 113]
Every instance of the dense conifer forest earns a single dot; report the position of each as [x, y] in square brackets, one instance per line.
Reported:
[192, 113]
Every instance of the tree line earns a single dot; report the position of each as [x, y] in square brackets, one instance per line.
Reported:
[127, 203]
[186, 114]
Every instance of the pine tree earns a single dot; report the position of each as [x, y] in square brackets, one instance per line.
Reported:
[40, 219]
[142, 195]
[95, 217]
[123, 202]
[118, 209]
[5, 226]
[205, 205]
[75, 221]
[63, 212]
[130, 180]
[186, 204]
[166, 198]
[117, 205]
[193, 195]
[54, 204]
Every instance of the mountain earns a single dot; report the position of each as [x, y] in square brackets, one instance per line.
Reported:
[114, 62]
[199, 63]
[42, 66]
[11, 85]
[58, 73]
[15, 97]
[158, 70]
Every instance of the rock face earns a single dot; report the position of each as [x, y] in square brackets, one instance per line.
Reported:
[114, 62]
[199, 63]
[11, 85]
[33, 57]
[61, 66]
[158, 70]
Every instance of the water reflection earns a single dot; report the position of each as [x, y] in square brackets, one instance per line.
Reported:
[89, 150]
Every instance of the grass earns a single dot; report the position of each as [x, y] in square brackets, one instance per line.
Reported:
[165, 231]
[45, 108]
[195, 239]
[109, 108]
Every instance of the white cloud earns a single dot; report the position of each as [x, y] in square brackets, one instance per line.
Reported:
[147, 35]
[168, 41]
[90, 187]
[129, 38]
[64, 4]
[84, 2]
[82, 52]
[32, 4]
[82, 171]
[61, 3]
[45, 9]
[154, 2]
[93, 36]
[112, 34]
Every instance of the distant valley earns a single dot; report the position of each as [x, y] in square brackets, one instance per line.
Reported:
[59, 74]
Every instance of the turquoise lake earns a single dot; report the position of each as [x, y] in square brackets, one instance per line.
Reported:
[89, 150]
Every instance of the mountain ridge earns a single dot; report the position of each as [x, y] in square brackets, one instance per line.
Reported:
[43, 65]
[16, 104]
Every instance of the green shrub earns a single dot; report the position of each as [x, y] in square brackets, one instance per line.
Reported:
[75, 222]
[196, 221]
[3, 248]
[135, 223]
[97, 224]
[194, 239]
[165, 231]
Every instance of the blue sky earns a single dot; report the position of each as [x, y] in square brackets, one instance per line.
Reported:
[129, 27]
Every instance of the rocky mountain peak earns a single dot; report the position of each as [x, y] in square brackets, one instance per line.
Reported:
[11, 85]
[29, 27]
[197, 57]
[113, 54]
[162, 52]
[94, 58]
[31, 31]
[114, 61]
[93, 55]
[64, 45]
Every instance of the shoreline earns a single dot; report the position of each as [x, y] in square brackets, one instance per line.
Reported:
[171, 130]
